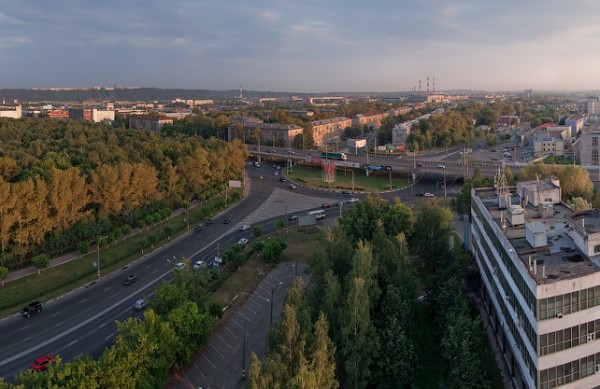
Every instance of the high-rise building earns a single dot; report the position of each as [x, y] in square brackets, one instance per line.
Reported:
[540, 270]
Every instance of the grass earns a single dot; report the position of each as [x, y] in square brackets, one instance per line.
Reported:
[378, 181]
[56, 281]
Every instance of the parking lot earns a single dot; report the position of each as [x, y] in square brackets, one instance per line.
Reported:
[223, 362]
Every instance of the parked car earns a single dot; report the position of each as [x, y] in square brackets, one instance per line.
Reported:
[243, 241]
[198, 228]
[32, 309]
[291, 152]
[197, 265]
[387, 167]
[353, 200]
[428, 195]
[139, 304]
[326, 205]
[179, 265]
[208, 222]
[130, 280]
[244, 227]
[256, 164]
[420, 194]
[41, 364]
[227, 220]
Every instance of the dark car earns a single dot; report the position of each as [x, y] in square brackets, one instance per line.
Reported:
[419, 164]
[32, 309]
[283, 179]
[41, 364]
[421, 194]
[387, 167]
[198, 228]
[345, 193]
[130, 280]
[227, 220]
[208, 222]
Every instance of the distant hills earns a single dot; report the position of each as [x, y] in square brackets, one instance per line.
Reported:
[152, 94]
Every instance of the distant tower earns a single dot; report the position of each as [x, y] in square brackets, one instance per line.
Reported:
[241, 93]
[427, 84]
[433, 84]
[419, 86]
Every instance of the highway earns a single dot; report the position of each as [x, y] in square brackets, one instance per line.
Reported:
[83, 321]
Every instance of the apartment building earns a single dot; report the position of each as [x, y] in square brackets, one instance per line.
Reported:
[15, 112]
[587, 148]
[269, 133]
[540, 282]
[372, 120]
[93, 114]
[149, 123]
[329, 130]
[575, 122]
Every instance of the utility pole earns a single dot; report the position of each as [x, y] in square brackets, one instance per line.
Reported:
[244, 354]
[391, 178]
[445, 193]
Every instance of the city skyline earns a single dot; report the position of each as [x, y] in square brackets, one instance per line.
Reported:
[301, 47]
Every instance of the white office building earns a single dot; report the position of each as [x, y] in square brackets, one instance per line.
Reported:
[540, 283]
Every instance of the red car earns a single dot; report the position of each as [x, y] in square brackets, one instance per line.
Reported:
[41, 364]
[326, 205]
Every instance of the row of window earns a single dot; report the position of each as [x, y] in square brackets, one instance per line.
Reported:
[570, 372]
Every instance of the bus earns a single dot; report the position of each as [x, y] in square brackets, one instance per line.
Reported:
[319, 214]
[339, 156]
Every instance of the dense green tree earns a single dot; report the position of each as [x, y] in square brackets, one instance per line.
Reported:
[431, 236]
[41, 261]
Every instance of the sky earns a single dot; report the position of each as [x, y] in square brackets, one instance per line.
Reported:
[302, 46]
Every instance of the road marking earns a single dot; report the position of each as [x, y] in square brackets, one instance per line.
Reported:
[236, 323]
[105, 289]
[205, 357]
[26, 339]
[231, 332]
[27, 326]
[250, 309]
[102, 325]
[223, 340]
[108, 337]
[82, 301]
[58, 324]
[77, 326]
[54, 314]
[147, 266]
[73, 342]
[154, 271]
[243, 315]
[214, 348]
[201, 372]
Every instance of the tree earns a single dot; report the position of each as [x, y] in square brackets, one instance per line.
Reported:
[431, 236]
[40, 261]
[280, 225]
[3, 274]
[257, 231]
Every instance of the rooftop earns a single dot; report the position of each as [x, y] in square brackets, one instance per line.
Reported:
[559, 258]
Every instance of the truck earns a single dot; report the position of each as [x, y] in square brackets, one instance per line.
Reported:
[338, 156]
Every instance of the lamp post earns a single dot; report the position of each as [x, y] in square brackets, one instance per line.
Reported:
[244, 354]
[98, 254]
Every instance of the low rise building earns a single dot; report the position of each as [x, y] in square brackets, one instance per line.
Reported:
[329, 130]
[267, 133]
[575, 122]
[587, 148]
[369, 120]
[149, 123]
[539, 264]
[15, 112]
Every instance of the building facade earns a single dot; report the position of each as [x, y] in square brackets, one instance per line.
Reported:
[269, 133]
[11, 112]
[575, 122]
[329, 130]
[373, 120]
[540, 283]
[149, 123]
[587, 148]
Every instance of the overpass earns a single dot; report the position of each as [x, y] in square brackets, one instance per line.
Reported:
[405, 164]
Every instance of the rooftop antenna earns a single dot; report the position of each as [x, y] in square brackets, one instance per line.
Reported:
[241, 93]
[433, 84]
[427, 84]
[419, 86]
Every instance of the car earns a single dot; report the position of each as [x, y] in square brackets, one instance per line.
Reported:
[294, 217]
[227, 220]
[428, 195]
[41, 364]
[387, 167]
[292, 186]
[345, 193]
[256, 164]
[291, 152]
[326, 205]
[420, 194]
[139, 305]
[179, 265]
[243, 241]
[283, 179]
[197, 265]
[419, 164]
[244, 227]
[440, 166]
[213, 265]
[273, 151]
[32, 309]
[130, 280]
[276, 173]
[198, 228]
[208, 222]
[353, 200]
[274, 165]
[260, 178]
[278, 167]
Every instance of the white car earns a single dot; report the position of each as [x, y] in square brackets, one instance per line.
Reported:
[139, 305]
[243, 241]
[197, 265]
[180, 265]
[244, 227]
[440, 166]
[428, 195]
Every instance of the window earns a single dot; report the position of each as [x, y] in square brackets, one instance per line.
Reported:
[597, 249]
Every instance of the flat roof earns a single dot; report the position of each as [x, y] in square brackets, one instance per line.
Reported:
[560, 259]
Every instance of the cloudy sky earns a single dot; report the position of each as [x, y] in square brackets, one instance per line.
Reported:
[301, 46]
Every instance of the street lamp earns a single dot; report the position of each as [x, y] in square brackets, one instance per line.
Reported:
[98, 254]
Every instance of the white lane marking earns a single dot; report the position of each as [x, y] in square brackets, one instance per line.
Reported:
[82, 301]
[105, 289]
[108, 337]
[250, 309]
[27, 326]
[231, 332]
[147, 266]
[58, 324]
[102, 325]
[236, 323]
[205, 357]
[223, 340]
[78, 325]
[73, 342]
[241, 314]
[26, 339]
[218, 352]
[54, 314]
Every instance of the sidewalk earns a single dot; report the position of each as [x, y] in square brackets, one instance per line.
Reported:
[15, 275]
